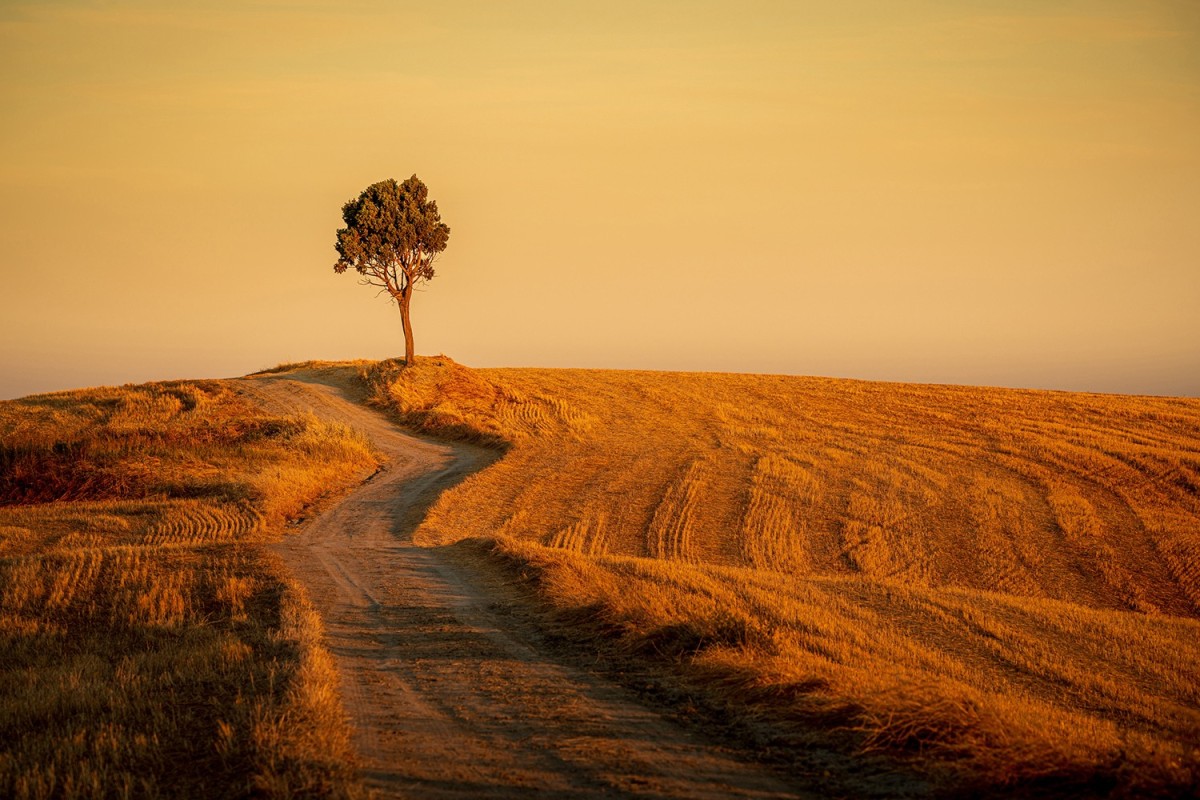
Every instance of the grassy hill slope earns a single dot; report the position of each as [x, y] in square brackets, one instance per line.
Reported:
[992, 588]
[149, 644]
[1003, 583]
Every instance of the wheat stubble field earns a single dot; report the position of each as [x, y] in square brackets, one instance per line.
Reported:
[150, 645]
[1001, 586]
[970, 589]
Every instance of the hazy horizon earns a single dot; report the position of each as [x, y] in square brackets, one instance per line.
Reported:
[994, 193]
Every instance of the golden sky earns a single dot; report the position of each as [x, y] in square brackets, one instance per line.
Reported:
[1002, 192]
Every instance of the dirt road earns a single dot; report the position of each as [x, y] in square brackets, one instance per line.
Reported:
[448, 696]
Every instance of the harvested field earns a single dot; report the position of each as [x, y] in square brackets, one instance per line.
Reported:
[1004, 582]
[151, 645]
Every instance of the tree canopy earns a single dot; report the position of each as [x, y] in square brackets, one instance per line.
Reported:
[392, 238]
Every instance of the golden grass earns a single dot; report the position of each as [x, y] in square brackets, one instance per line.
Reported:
[1004, 582]
[151, 645]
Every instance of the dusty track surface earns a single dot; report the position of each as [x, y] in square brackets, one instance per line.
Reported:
[449, 696]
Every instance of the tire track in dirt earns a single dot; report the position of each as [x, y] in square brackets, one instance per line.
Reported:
[447, 696]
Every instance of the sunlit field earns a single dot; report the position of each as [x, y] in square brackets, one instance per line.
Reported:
[981, 587]
[150, 645]
[999, 586]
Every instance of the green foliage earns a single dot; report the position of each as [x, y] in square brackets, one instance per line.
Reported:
[392, 236]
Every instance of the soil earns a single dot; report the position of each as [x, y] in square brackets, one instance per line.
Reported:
[449, 695]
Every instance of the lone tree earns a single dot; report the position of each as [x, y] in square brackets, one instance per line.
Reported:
[392, 237]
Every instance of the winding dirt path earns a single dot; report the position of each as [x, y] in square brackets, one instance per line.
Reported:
[448, 696]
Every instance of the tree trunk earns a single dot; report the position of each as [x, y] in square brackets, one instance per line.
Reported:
[406, 321]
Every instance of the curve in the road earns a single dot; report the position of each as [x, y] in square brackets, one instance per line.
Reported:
[446, 697]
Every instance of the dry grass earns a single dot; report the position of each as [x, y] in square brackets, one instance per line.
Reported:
[151, 645]
[1005, 583]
